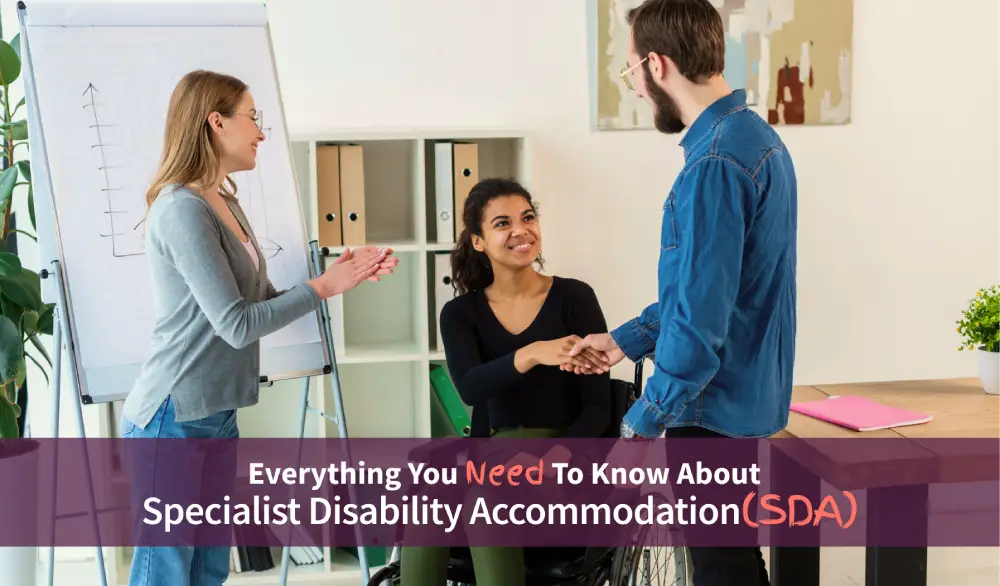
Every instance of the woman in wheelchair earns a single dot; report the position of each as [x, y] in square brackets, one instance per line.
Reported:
[505, 336]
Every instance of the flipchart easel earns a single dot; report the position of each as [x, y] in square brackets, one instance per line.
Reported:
[63, 342]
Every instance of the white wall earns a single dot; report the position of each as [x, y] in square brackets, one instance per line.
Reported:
[898, 211]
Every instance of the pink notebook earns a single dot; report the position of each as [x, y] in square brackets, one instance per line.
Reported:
[859, 413]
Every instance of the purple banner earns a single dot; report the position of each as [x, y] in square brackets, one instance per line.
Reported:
[567, 492]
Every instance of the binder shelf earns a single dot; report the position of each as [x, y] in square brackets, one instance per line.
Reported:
[402, 188]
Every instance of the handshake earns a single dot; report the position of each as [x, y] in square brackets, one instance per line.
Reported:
[594, 354]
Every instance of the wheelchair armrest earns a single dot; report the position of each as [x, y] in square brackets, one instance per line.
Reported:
[623, 395]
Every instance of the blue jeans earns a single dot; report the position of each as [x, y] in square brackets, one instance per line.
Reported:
[182, 566]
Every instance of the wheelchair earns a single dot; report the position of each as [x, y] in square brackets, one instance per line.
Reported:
[632, 565]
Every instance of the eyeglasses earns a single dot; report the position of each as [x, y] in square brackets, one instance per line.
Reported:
[258, 119]
[626, 74]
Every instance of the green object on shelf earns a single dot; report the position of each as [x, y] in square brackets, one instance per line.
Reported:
[376, 555]
[440, 425]
[452, 403]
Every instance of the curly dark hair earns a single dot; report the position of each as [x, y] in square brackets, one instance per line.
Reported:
[471, 269]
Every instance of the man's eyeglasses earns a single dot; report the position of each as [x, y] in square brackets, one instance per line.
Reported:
[626, 74]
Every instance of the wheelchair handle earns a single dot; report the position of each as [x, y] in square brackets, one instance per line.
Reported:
[638, 377]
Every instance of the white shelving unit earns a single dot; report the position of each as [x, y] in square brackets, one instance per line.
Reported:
[384, 332]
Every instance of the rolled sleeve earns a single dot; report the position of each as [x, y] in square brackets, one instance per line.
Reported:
[711, 212]
[637, 337]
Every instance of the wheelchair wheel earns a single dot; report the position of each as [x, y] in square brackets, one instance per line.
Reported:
[387, 576]
[652, 565]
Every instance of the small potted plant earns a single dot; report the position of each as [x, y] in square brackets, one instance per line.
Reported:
[980, 326]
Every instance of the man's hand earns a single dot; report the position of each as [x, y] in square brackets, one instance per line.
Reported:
[602, 343]
[556, 353]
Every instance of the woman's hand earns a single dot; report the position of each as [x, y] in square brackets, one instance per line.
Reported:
[556, 353]
[352, 267]
[385, 267]
[602, 343]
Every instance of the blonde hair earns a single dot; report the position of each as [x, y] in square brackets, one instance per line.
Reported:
[189, 155]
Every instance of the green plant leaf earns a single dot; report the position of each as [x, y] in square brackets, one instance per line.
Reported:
[32, 236]
[980, 323]
[10, 264]
[33, 338]
[8, 420]
[25, 168]
[20, 130]
[7, 180]
[45, 317]
[23, 289]
[40, 367]
[29, 322]
[31, 206]
[11, 349]
[22, 374]
[15, 44]
[13, 311]
[9, 308]
[10, 63]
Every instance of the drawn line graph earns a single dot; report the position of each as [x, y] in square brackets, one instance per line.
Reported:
[123, 213]
[125, 241]
[252, 192]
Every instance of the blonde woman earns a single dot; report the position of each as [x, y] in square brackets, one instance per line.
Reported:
[212, 299]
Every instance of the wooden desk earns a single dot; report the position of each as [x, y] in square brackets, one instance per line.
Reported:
[960, 409]
[959, 406]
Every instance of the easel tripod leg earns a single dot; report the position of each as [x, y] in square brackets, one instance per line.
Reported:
[338, 403]
[90, 494]
[304, 406]
[56, 375]
[60, 317]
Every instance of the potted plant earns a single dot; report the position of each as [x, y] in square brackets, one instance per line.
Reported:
[979, 326]
[23, 316]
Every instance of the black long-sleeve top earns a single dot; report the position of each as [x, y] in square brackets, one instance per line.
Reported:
[480, 355]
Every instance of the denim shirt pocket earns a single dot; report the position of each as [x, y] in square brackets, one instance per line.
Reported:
[668, 231]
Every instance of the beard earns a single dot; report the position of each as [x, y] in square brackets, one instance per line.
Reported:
[666, 116]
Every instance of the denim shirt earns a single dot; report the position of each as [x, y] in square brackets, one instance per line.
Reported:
[722, 332]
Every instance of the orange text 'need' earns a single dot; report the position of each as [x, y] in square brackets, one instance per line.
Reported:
[496, 475]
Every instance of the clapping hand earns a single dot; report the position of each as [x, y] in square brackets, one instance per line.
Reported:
[367, 263]
[385, 266]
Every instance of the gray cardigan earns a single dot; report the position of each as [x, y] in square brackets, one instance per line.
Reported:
[211, 307]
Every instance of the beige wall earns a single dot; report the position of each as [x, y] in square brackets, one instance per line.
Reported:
[898, 211]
